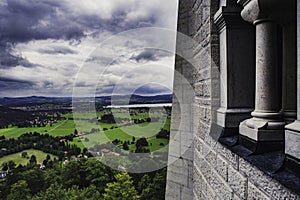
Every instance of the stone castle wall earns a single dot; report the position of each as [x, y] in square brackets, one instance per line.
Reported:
[208, 170]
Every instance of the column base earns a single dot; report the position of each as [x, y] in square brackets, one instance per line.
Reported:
[260, 130]
[229, 119]
[258, 147]
[292, 139]
[292, 164]
[290, 116]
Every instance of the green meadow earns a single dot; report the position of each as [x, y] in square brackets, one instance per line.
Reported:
[17, 158]
[61, 128]
[124, 133]
[147, 130]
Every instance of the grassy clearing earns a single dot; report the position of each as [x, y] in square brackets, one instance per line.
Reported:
[154, 144]
[140, 130]
[67, 127]
[61, 128]
[64, 127]
[148, 130]
[90, 140]
[17, 158]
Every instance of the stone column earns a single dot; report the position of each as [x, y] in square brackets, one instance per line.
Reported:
[267, 122]
[237, 68]
[289, 98]
[292, 133]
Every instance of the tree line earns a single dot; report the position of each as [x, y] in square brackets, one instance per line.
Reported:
[86, 179]
[43, 142]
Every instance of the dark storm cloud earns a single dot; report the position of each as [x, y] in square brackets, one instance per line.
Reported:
[14, 84]
[145, 90]
[23, 21]
[57, 50]
[149, 55]
[83, 84]
[48, 84]
[131, 89]
[33, 32]
[7, 59]
[106, 89]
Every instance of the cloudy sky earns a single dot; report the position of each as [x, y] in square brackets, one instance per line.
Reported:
[50, 47]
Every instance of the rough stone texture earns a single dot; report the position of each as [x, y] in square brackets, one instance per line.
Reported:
[264, 182]
[255, 194]
[222, 167]
[292, 143]
[235, 197]
[293, 130]
[173, 190]
[228, 155]
[237, 182]
[207, 170]
[180, 162]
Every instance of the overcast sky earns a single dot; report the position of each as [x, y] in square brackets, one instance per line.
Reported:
[44, 44]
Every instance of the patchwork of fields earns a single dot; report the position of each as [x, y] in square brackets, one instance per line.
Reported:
[106, 132]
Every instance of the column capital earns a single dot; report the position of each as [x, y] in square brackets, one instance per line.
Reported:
[256, 11]
[229, 16]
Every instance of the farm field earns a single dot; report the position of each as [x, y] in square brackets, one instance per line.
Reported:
[126, 133]
[121, 113]
[148, 130]
[61, 128]
[17, 158]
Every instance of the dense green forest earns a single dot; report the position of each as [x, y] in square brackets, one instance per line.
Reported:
[86, 178]
[43, 156]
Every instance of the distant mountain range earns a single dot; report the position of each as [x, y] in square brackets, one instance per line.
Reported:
[67, 101]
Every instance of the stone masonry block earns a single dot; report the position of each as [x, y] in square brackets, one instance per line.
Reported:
[179, 178]
[235, 197]
[197, 159]
[264, 182]
[237, 182]
[205, 149]
[206, 89]
[210, 194]
[211, 158]
[180, 166]
[173, 191]
[204, 168]
[198, 89]
[174, 148]
[197, 144]
[215, 181]
[187, 152]
[187, 193]
[203, 101]
[255, 194]
[221, 187]
[228, 155]
[198, 182]
[222, 167]
[203, 130]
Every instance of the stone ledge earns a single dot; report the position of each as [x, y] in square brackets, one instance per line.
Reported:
[270, 165]
[292, 143]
